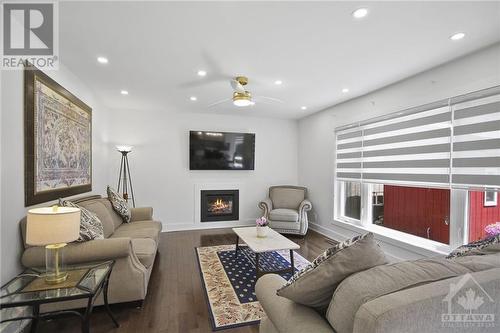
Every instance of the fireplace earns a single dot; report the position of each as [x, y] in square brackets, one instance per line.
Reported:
[219, 205]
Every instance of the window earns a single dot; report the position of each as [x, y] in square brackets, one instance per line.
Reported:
[351, 200]
[422, 212]
[411, 175]
[490, 199]
[481, 214]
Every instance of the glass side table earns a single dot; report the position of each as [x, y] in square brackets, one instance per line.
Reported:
[84, 282]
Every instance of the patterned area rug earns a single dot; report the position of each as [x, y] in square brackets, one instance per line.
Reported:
[229, 282]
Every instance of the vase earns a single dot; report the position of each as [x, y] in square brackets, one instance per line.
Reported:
[262, 231]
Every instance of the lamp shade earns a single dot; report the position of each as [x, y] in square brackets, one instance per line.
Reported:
[124, 148]
[52, 225]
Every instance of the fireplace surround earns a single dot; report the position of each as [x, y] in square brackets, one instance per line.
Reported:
[219, 205]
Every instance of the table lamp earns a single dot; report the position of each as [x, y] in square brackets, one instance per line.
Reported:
[53, 227]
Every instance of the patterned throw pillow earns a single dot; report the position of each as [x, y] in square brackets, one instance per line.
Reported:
[90, 225]
[315, 284]
[119, 204]
[480, 247]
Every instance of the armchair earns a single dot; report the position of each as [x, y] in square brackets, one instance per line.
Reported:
[286, 209]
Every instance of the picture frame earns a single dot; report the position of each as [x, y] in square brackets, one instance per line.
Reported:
[58, 140]
[490, 198]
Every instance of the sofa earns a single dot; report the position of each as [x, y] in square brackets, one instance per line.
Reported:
[412, 296]
[286, 209]
[132, 245]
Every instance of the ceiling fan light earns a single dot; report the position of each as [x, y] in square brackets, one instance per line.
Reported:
[242, 102]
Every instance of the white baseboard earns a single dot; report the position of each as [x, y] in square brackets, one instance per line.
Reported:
[328, 232]
[207, 225]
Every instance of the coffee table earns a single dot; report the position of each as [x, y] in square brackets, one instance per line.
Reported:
[273, 242]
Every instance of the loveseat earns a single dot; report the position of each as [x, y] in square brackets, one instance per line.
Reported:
[411, 296]
[132, 245]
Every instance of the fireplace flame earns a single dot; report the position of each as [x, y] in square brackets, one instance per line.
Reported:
[220, 206]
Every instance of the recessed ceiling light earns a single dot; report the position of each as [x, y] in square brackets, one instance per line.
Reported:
[360, 13]
[457, 36]
[303, 107]
[278, 82]
[102, 60]
[124, 92]
[193, 98]
[202, 72]
[345, 90]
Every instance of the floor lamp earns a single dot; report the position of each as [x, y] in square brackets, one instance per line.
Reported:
[124, 177]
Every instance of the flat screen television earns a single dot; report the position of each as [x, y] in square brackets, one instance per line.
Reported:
[210, 150]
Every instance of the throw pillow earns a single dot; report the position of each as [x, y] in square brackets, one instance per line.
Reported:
[90, 225]
[119, 204]
[480, 247]
[315, 284]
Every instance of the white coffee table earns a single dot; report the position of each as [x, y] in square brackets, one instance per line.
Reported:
[273, 242]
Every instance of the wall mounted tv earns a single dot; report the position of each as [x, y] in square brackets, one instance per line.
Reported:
[210, 150]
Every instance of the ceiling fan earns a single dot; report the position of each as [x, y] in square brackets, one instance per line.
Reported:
[242, 97]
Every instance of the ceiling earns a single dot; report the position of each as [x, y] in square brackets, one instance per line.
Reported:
[156, 48]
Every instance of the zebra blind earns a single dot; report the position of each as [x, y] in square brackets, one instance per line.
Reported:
[476, 143]
[453, 142]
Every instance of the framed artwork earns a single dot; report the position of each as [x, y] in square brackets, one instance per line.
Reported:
[490, 198]
[58, 140]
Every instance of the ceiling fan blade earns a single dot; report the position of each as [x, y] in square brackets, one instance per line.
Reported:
[268, 100]
[219, 102]
[238, 87]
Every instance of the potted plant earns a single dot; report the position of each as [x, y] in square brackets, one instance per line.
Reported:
[262, 226]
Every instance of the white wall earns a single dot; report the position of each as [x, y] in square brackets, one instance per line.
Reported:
[316, 132]
[12, 158]
[159, 162]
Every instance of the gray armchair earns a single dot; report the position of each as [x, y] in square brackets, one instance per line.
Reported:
[286, 209]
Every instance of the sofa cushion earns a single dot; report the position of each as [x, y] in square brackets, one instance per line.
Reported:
[143, 229]
[365, 286]
[480, 247]
[119, 204]
[117, 219]
[315, 284]
[90, 225]
[102, 212]
[287, 197]
[480, 262]
[284, 214]
[283, 225]
[145, 250]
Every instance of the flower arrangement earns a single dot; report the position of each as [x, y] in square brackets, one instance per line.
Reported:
[262, 222]
[493, 229]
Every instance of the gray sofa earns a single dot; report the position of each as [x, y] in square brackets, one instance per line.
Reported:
[132, 245]
[416, 296]
[286, 209]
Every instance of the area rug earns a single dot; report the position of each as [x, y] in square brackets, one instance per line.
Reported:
[229, 282]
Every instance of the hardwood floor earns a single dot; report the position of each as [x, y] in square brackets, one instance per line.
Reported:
[175, 300]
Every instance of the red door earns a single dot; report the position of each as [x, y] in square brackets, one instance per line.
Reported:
[421, 212]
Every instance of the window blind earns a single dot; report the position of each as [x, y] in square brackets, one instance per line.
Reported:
[453, 142]
[476, 143]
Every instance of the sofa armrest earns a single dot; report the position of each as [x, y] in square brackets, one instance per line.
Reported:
[305, 206]
[286, 315]
[141, 214]
[74, 253]
[426, 306]
[266, 205]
